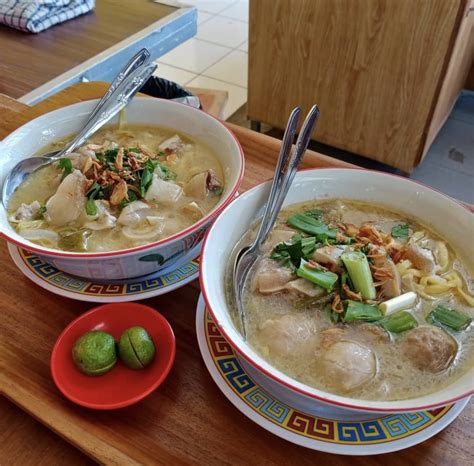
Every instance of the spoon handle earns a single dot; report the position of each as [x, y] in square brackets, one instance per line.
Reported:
[283, 157]
[139, 59]
[116, 101]
[289, 169]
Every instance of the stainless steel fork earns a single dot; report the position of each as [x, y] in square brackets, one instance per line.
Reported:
[285, 170]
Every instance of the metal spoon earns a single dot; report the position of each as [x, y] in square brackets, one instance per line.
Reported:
[123, 88]
[285, 171]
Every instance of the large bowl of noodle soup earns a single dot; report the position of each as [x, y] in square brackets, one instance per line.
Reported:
[145, 202]
[293, 351]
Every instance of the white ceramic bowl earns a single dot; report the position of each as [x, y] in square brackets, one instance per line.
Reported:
[449, 218]
[142, 260]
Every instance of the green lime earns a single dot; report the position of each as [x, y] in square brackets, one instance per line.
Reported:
[136, 348]
[94, 353]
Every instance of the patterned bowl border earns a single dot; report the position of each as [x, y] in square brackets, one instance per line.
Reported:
[64, 281]
[386, 428]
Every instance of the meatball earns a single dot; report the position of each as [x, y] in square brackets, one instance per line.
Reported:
[430, 348]
[348, 365]
[373, 333]
[287, 334]
[331, 336]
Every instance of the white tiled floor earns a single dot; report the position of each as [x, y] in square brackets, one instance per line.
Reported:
[223, 31]
[231, 69]
[216, 58]
[449, 163]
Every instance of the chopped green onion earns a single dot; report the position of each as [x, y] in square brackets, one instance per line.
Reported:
[294, 250]
[449, 317]
[333, 316]
[359, 272]
[91, 207]
[404, 301]
[145, 181]
[354, 310]
[311, 226]
[94, 191]
[400, 231]
[314, 213]
[66, 165]
[398, 322]
[42, 211]
[346, 280]
[110, 155]
[134, 149]
[132, 196]
[166, 173]
[321, 278]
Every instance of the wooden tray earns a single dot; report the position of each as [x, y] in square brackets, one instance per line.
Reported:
[187, 420]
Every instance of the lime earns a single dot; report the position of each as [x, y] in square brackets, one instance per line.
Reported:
[136, 348]
[94, 353]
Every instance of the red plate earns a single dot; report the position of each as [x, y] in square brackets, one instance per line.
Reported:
[120, 386]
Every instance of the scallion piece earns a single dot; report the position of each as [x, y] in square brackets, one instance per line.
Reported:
[91, 207]
[398, 322]
[311, 226]
[400, 231]
[321, 278]
[399, 303]
[66, 165]
[146, 180]
[358, 269]
[354, 310]
[449, 317]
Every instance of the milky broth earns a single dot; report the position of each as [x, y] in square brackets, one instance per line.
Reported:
[176, 216]
[396, 376]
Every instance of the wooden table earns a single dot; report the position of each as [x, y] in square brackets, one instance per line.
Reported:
[187, 420]
[91, 47]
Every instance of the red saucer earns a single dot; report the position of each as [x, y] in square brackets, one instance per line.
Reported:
[120, 386]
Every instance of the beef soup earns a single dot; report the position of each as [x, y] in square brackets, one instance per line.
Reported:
[361, 301]
[127, 186]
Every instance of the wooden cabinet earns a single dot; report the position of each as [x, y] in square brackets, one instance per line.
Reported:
[385, 73]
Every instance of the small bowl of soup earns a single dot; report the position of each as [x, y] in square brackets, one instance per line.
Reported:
[134, 199]
[362, 295]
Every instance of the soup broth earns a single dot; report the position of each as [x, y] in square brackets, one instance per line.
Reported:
[358, 300]
[127, 186]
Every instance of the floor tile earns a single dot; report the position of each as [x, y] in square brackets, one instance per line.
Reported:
[174, 74]
[223, 31]
[232, 69]
[209, 6]
[244, 47]
[453, 148]
[237, 95]
[451, 182]
[194, 55]
[203, 16]
[239, 10]
[464, 108]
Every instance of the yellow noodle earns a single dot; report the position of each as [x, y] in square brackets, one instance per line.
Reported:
[467, 297]
[441, 254]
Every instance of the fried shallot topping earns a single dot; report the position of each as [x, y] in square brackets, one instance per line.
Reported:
[336, 305]
[351, 294]
[381, 273]
[369, 232]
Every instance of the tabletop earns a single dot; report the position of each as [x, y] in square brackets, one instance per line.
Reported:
[90, 46]
[187, 420]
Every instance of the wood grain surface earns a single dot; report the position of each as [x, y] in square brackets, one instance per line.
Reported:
[456, 75]
[29, 60]
[18, 431]
[187, 420]
[374, 67]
